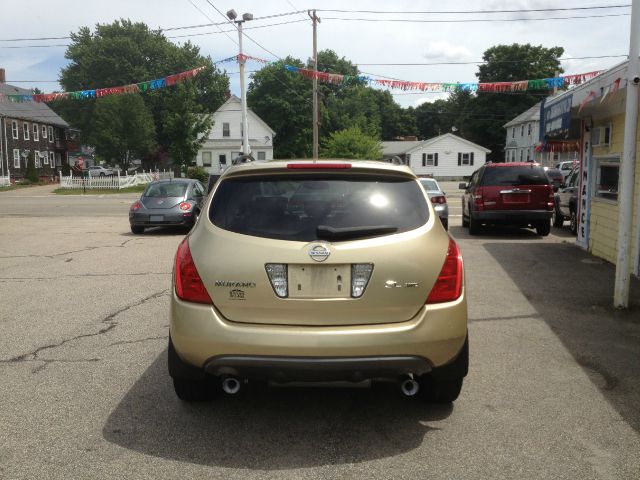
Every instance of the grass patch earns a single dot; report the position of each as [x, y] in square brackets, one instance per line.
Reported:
[17, 186]
[98, 191]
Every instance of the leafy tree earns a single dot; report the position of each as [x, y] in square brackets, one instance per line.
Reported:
[31, 172]
[122, 128]
[351, 143]
[125, 52]
[283, 100]
[198, 173]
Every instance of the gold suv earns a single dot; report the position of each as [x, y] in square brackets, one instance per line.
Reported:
[318, 271]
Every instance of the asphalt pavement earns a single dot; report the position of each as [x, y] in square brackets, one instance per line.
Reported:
[553, 389]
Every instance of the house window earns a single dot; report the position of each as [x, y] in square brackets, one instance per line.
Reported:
[513, 132]
[36, 132]
[225, 129]
[222, 159]
[556, 156]
[50, 134]
[528, 156]
[431, 159]
[52, 158]
[36, 158]
[606, 178]
[58, 159]
[529, 129]
[44, 131]
[522, 131]
[25, 130]
[16, 158]
[262, 156]
[14, 129]
[206, 159]
[465, 159]
[520, 155]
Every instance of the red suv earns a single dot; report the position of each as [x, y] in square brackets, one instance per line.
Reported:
[518, 194]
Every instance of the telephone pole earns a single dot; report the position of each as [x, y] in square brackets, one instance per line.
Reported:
[316, 117]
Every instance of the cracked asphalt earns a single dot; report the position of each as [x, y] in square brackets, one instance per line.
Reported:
[553, 389]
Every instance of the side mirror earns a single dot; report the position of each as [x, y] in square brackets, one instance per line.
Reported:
[463, 186]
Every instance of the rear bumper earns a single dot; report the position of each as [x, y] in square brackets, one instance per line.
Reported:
[143, 219]
[203, 339]
[513, 217]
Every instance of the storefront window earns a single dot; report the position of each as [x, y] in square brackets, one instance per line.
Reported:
[606, 178]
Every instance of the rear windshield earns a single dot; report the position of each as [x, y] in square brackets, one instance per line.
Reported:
[429, 185]
[166, 190]
[533, 175]
[313, 207]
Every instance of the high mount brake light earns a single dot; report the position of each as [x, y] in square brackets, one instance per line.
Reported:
[189, 285]
[318, 166]
[448, 286]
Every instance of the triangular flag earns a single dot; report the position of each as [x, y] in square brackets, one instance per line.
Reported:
[606, 92]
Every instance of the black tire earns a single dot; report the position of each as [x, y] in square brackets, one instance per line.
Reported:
[442, 390]
[445, 223]
[137, 229]
[193, 390]
[573, 222]
[543, 228]
[474, 225]
[557, 219]
[102, 174]
[465, 221]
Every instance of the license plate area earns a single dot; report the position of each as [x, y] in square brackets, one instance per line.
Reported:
[511, 198]
[156, 218]
[320, 281]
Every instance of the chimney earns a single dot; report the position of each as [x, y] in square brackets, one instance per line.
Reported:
[2, 77]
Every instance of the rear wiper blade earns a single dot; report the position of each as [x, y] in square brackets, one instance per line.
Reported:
[339, 233]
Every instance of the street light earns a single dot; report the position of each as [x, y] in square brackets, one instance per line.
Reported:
[246, 149]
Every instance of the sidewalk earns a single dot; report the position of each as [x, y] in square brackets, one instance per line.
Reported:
[36, 190]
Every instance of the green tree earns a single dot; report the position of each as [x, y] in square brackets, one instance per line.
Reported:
[125, 52]
[351, 143]
[122, 128]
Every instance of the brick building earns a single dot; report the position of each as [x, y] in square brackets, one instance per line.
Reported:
[30, 131]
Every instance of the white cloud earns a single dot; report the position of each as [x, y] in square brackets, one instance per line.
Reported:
[430, 98]
[442, 50]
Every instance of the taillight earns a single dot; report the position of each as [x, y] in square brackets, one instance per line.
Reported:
[440, 199]
[478, 199]
[551, 201]
[135, 206]
[189, 286]
[185, 206]
[448, 286]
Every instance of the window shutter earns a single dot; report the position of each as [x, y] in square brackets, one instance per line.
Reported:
[459, 158]
[435, 159]
[424, 159]
[471, 159]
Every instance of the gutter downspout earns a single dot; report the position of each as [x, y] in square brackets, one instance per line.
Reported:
[6, 146]
[627, 170]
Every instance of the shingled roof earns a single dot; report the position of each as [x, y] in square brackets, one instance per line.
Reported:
[34, 111]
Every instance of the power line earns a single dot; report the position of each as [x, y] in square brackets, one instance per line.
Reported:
[230, 31]
[208, 18]
[523, 10]
[471, 20]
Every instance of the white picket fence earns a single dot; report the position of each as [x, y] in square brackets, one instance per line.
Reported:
[5, 181]
[114, 182]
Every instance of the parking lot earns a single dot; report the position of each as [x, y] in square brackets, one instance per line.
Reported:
[553, 389]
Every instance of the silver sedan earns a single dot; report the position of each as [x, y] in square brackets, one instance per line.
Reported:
[438, 199]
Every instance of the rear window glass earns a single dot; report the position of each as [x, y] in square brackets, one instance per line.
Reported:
[312, 207]
[514, 176]
[166, 190]
[429, 185]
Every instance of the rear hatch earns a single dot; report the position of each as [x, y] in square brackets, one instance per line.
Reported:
[164, 195]
[319, 247]
[517, 187]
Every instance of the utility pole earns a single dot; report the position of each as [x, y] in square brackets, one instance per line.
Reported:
[627, 169]
[316, 118]
[246, 149]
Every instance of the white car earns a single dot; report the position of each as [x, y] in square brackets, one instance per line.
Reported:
[565, 168]
[100, 171]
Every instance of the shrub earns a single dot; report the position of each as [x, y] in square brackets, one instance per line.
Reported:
[198, 173]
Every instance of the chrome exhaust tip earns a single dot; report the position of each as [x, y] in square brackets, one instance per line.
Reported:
[231, 385]
[409, 387]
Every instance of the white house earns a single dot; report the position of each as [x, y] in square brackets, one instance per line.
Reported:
[224, 142]
[523, 141]
[444, 157]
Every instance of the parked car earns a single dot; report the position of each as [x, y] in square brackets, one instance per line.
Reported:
[438, 199]
[175, 202]
[555, 176]
[565, 168]
[566, 202]
[264, 291]
[517, 194]
[100, 171]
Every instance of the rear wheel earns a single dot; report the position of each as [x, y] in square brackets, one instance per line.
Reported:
[573, 222]
[137, 229]
[474, 225]
[465, 221]
[439, 390]
[543, 228]
[193, 390]
[557, 219]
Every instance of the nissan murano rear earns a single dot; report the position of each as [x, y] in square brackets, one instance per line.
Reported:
[318, 271]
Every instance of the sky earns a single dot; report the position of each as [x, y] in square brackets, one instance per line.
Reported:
[429, 37]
